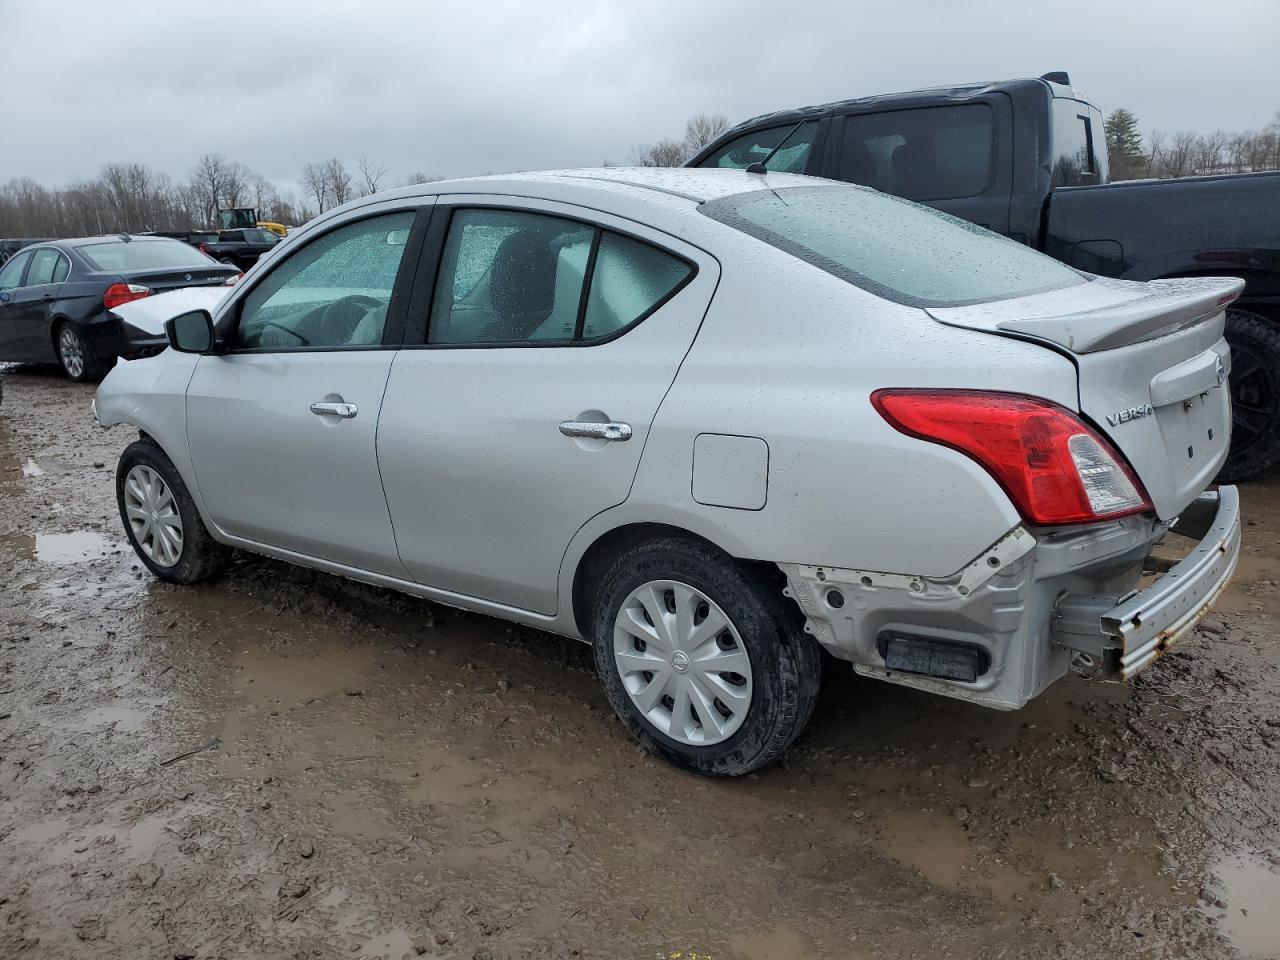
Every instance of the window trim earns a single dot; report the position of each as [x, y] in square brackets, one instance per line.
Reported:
[422, 303]
[392, 331]
[993, 156]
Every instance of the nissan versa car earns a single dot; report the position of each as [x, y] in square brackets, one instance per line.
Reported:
[712, 422]
[56, 298]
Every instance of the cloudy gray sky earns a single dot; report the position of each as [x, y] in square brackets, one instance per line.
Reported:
[457, 89]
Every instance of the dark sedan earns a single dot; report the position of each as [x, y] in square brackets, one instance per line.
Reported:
[56, 297]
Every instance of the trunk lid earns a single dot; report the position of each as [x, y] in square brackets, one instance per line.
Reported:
[1152, 366]
[172, 279]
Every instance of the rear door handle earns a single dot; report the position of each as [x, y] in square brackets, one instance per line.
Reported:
[596, 431]
[344, 411]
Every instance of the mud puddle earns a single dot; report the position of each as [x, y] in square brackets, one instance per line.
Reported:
[1249, 894]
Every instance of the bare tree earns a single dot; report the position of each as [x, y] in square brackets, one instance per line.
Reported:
[340, 186]
[419, 177]
[315, 181]
[237, 184]
[371, 175]
[702, 128]
[664, 153]
[209, 183]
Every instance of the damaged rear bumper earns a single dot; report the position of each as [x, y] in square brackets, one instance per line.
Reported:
[1128, 635]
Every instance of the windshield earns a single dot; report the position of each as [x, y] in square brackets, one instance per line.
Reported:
[894, 248]
[142, 255]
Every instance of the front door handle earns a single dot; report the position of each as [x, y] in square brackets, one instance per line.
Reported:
[596, 431]
[344, 411]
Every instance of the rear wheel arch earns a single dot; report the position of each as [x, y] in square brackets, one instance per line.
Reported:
[614, 542]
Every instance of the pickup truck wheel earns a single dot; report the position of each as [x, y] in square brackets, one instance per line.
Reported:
[1255, 396]
[162, 521]
[701, 658]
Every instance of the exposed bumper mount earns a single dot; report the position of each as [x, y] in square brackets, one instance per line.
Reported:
[1130, 635]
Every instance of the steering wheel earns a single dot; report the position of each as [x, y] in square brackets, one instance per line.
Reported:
[340, 318]
[293, 333]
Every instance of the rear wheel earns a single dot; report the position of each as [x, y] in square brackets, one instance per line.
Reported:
[1255, 396]
[161, 519]
[74, 355]
[701, 658]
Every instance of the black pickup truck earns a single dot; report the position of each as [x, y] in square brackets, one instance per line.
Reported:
[241, 248]
[1027, 158]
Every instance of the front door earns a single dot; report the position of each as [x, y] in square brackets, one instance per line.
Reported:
[554, 334]
[32, 300]
[282, 425]
[10, 288]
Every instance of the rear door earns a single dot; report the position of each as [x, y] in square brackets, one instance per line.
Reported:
[282, 426]
[548, 322]
[956, 157]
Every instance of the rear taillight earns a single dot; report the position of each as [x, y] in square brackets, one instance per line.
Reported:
[200, 247]
[119, 293]
[1054, 468]
[232, 281]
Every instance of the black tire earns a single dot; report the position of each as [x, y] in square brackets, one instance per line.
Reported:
[786, 664]
[1255, 396]
[202, 558]
[90, 367]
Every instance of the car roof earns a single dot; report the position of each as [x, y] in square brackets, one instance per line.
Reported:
[656, 196]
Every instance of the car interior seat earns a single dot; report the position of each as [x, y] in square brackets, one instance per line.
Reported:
[522, 286]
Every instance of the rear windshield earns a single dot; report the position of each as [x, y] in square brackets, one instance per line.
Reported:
[142, 255]
[894, 248]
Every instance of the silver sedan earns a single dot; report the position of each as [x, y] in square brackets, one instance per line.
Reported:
[712, 422]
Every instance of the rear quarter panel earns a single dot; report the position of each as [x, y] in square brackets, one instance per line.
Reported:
[791, 355]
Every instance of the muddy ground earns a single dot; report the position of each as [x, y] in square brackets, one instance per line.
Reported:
[284, 764]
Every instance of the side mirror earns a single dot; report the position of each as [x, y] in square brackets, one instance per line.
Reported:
[191, 332]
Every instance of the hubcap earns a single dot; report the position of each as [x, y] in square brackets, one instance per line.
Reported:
[682, 662]
[71, 352]
[153, 516]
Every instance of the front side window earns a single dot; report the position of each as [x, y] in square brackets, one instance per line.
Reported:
[930, 153]
[510, 277]
[44, 265]
[11, 275]
[753, 147]
[894, 248]
[138, 254]
[334, 292]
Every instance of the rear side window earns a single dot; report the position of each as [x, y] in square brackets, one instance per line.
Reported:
[122, 255]
[511, 277]
[1078, 157]
[44, 265]
[896, 249]
[932, 153]
[752, 147]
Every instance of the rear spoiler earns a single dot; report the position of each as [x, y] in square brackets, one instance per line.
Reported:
[1170, 306]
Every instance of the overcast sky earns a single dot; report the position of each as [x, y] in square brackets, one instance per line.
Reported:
[490, 86]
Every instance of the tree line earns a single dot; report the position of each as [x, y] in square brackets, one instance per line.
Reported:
[1185, 153]
[133, 198]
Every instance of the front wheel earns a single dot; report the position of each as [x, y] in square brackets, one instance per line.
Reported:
[161, 519]
[701, 658]
[1255, 396]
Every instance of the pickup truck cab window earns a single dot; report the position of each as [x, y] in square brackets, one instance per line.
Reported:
[1078, 157]
[755, 146]
[929, 153]
[332, 293]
